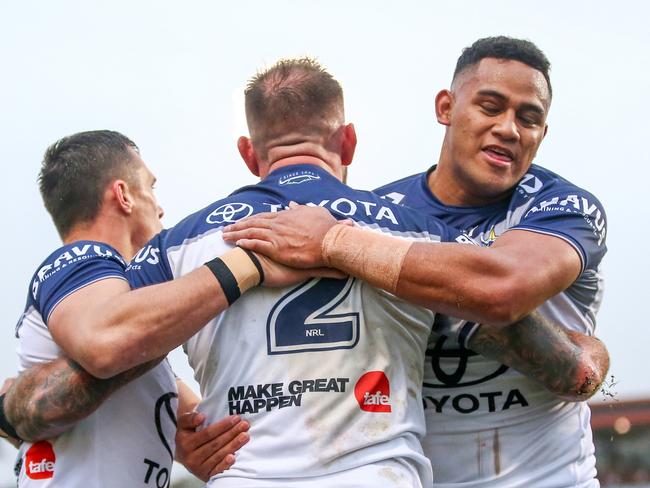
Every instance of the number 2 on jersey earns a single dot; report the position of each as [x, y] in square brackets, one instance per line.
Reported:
[306, 318]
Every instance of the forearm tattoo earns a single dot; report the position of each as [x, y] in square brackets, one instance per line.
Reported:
[49, 398]
[568, 364]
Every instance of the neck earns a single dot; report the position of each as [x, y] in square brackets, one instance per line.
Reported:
[450, 187]
[446, 189]
[293, 160]
[108, 231]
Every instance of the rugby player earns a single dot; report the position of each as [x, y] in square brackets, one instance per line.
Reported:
[329, 372]
[487, 424]
[100, 195]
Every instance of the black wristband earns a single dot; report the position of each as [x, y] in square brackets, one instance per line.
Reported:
[4, 423]
[256, 262]
[225, 278]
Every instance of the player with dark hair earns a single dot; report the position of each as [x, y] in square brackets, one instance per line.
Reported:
[118, 431]
[487, 424]
[503, 47]
[71, 187]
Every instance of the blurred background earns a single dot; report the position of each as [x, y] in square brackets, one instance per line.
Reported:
[170, 75]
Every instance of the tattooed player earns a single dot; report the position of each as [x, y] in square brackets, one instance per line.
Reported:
[487, 424]
[100, 195]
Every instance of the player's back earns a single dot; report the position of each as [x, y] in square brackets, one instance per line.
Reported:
[328, 372]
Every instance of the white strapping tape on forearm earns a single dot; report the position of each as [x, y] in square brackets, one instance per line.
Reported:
[242, 267]
[373, 257]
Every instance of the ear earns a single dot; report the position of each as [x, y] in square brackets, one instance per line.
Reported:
[120, 191]
[245, 147]
[444, 103]
[348, 145]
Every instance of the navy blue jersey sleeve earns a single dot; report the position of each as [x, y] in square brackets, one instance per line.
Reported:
[574, 215]
[70, 268]
[150, 265]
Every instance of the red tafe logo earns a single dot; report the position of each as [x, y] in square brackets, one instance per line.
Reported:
[372, 391]
[39, 461]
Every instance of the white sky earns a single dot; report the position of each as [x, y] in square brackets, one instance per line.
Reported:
[170, 75]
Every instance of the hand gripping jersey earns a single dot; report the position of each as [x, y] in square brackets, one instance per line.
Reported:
[328, 372]
[487, 425]
[129, 440]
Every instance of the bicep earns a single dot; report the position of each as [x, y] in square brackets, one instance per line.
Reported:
[71, 321]
[543, 263]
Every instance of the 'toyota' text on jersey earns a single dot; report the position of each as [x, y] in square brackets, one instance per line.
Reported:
[501, 427]
[329, 372]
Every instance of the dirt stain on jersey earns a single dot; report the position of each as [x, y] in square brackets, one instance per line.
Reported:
[393, 478]
[375, 428]
[480, 444]
[496, 451]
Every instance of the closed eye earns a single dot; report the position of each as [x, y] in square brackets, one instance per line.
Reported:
[529, 119]
[490, 108]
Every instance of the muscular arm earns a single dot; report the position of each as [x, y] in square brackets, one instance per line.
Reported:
[107, 328]
[569, 364]
[47, 399]
[496, 285]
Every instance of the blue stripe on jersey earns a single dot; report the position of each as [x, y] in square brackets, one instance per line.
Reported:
[302, 183]
[68, 269]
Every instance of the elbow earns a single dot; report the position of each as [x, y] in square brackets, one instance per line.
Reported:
[101, 367]
[112, 352]
[590, 370]
[589, 375]
[502, 305]
[104, 360]
[107, 363]
[502, 314]
[34, 422]
[21, 425]
[587, 381]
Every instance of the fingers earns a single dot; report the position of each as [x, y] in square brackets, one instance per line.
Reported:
[191, 440]
[261, 247]
[223, 465]
[190, 420]
[224, 429]
[225, 457]
[247, 233]
[217, 447]
[257, 220]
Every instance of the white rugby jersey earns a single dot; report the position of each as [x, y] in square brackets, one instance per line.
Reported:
[129, 440]
[488, 425]
[327, 372]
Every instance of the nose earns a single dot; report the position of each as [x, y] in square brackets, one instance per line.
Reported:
[505, 126]
[161, 212]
